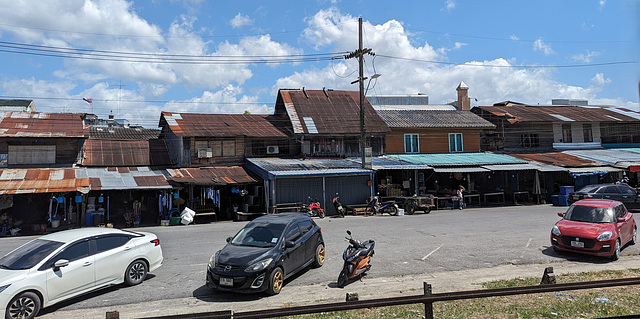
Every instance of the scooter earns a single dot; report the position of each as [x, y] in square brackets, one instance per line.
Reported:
[357, 259]
[338, 206]
[374, 206]
[314, 209]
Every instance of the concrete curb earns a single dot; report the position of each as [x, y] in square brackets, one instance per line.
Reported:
[368, 288]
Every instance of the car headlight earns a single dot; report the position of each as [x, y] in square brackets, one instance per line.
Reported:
[605, 236]
[212, 260]
[556, 230]
[2, 288]
[259, 265]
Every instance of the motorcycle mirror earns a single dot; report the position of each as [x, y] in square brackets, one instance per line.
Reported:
[349, 232]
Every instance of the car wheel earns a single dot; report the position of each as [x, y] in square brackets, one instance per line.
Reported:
[634, 237]
[616, 251]
[276, 281]
[25, 305]
[319, 259]
[342, 278]
[136, 273]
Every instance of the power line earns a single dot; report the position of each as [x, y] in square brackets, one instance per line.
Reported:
[508, 66]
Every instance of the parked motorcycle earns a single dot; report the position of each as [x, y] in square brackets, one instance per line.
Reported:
[357, 259]
[314, 208]
[340, 210]
[374, 206]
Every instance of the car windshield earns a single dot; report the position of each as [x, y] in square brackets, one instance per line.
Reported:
[589, 214]
[259, 235]
[29, 254]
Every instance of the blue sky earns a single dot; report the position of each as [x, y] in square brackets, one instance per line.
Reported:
[137, 58]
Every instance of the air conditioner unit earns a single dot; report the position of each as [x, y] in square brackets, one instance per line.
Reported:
[205, 153]
[272, 150]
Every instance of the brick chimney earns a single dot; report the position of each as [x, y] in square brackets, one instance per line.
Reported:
[464, 103]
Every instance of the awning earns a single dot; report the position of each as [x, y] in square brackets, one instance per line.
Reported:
[511, 167]
[387, 163]
[474, 169]
[595, 170]
[320, 172]
[217, 175]
[43, 180]
[126, 178]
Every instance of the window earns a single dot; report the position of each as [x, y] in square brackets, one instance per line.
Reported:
[566, 133]
[75, 251]
[293, 233]
[411, 143]
[110, 242]
[529, 140]
[455, 142]
[32, 154]
[587, 132]
[306, 226]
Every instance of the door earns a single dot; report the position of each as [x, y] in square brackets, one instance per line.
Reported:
[294, 256]
[626, 227]
[306, 227]
[612, 192]
[628, 196]
[113, 254]
[76, 277]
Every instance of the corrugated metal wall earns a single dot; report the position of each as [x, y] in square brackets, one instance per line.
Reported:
[351, 189]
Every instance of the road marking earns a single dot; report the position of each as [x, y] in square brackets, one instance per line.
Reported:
[525, 247]
[429, 254]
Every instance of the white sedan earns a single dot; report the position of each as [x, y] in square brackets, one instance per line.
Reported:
[69, 263]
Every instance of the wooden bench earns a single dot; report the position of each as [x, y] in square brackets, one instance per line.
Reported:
[205, 213]
[248, 216]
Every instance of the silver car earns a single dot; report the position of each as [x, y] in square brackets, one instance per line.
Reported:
[65, 264]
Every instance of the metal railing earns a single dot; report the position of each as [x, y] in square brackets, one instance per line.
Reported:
[428, 298]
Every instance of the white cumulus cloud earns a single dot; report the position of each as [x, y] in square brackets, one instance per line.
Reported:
[240, 20]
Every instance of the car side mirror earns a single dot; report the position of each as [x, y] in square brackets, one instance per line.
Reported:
[229, 239]
[59, 264]
[289, 244]
[561, 214]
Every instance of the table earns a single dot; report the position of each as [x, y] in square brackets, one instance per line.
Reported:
[517, 194]
[470, 197]
[496, 194]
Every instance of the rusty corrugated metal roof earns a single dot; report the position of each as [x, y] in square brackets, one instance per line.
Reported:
[327, 112]
[433, 119]
[557, 159]
[221, 125]
[217, 175]
[533, 113]
[129, 178]
[27, 124]
[105, 153]
[43, 180]
[123, 133]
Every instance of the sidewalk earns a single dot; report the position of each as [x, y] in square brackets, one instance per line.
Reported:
[368, 288]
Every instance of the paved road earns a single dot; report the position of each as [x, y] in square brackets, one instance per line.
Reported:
[442, 242]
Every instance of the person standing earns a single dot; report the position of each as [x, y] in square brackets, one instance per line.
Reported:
[460, 197]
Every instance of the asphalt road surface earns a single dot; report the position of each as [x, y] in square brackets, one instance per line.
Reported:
[442, 241]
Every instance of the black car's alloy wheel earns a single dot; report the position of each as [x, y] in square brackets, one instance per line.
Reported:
[24, 306]
[319, 257]
[276, 281]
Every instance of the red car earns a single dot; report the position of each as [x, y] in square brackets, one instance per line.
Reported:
[598, 227]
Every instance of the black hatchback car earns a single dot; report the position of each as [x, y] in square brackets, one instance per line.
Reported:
[624, 193]
[265, 252]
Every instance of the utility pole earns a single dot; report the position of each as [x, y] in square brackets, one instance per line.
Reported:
[360, 55]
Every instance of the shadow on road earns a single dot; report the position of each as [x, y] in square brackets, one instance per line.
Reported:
[577, 257]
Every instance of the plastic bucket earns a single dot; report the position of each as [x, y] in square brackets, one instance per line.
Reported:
[400, 212]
